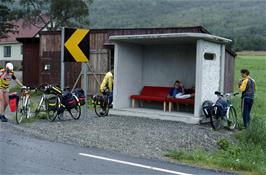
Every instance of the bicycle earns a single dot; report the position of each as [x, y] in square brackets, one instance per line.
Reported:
[101, 103]
[51, 103]
[23, 105]
[221, 113]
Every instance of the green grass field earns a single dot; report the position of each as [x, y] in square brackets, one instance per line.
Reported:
[249, 155]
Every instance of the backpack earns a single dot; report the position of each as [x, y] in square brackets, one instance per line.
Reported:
[222, 106]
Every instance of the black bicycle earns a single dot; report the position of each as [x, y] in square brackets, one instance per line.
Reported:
[101, 103]
[54, 102]
[221, 113]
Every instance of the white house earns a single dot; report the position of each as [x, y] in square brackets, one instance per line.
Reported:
[10, 49]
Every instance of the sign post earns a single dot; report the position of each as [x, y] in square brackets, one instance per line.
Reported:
[75, 48]
[62, 78]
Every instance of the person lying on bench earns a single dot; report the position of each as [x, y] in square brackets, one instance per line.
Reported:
[178, 91]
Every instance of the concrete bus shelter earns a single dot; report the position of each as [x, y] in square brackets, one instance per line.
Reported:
[196, 59]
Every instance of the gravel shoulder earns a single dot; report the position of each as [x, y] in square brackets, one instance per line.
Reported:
[139, 137]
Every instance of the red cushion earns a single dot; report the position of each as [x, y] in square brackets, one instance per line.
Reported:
[147, 98]
[179, 100]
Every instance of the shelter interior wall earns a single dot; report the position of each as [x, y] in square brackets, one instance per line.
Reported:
[128, 73]
[164, 64]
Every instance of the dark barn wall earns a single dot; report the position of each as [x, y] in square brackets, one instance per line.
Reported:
[31, 62]
[50, 56]
[229, 72]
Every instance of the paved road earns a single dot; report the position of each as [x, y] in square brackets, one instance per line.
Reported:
[21, 154]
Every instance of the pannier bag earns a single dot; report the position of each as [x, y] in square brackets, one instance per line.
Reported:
[222, 105]
[69, 100]
[81, 95]
[52, 103]
[53, 90]
[208, 108]
[13, 101]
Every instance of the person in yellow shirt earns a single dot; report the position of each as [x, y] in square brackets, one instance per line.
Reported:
[248, 87]
[6, 75]
[107, 84]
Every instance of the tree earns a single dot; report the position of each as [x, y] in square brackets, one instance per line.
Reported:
[57, 13]
[5, 17]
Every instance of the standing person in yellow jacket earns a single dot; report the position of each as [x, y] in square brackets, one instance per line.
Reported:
[248, 87]
[107, 84]
[6, 75]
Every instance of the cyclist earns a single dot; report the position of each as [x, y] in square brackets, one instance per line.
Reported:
[248, 87]
[6, 75]
[107, 84]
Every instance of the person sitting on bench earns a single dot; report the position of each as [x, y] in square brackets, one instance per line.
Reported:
[178, 88]
[178, 91]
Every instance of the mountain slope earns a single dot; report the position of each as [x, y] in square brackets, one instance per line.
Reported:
[241, 20]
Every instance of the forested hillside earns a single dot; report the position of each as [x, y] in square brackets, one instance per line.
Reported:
[244, 21]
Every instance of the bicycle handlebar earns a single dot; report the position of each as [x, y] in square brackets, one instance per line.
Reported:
[219, 94]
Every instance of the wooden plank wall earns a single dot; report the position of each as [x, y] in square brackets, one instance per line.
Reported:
[229, 73]
[31, 63]
[50, 54]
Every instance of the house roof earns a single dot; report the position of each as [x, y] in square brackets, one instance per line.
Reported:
[22, 31]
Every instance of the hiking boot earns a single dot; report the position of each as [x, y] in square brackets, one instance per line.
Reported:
[3, 118]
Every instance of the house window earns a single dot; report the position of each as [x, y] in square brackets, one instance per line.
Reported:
[209, 56]
[7, 51]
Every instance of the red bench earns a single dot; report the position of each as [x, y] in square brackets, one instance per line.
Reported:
[189, 101]
[153, 93]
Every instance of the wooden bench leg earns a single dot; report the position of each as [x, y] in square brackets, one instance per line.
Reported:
[164, 106]
[177, 106]
[141, 104]
[133, 103]
[170, 106]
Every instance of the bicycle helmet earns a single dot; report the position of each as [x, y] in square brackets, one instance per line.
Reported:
[9, 66]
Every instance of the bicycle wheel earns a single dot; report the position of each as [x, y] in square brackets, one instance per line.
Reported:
[101, 107]
[52, 105]
[216, 120]
[231, 118]
[75, 112]
[27, 109]
[41, 107]
[20, 112]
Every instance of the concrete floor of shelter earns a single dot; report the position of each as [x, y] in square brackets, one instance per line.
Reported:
[156, 114]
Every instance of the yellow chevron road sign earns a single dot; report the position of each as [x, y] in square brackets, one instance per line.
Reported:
[76, 45]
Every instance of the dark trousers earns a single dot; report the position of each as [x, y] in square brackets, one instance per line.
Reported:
[110, 98]
[246, 108]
